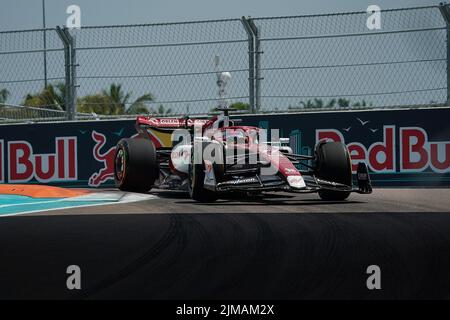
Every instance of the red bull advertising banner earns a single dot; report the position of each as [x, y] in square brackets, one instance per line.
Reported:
[400, 147]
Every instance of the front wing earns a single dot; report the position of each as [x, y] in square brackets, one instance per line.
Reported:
[258, 183]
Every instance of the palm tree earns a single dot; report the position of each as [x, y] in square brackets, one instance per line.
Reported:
[96, 103]
[307, 105]
[331, 103]
[113, 101]
[343, 103]
[118, 101]
[51, 97]
[360, 104]
[4, 94]
[318, 103]
[139, 105]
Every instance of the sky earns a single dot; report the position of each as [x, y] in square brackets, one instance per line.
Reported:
[414, 69]
[27, 14]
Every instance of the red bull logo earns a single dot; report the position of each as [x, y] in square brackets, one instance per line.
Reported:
[105, 157]
[415, 150]
[25, 165]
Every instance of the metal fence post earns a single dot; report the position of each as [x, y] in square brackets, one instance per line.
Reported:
[445, 11]
[73, 74]
[62, 35]
[70, 74]
[258, 52]
[251, 62]
[44, 26]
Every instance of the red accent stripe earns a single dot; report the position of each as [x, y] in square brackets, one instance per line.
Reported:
[61, 159]
[155, 141]
[72, 160]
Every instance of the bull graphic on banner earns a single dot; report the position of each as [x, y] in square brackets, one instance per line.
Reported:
[105, 156]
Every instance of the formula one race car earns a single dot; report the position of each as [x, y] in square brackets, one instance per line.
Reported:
[213, 157]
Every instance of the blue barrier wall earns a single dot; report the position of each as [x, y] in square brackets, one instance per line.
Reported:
[401, 147]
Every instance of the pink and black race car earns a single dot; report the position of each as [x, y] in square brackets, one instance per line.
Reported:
[213, 157]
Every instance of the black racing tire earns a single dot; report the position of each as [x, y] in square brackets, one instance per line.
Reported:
[333, 164]
[135, 165]
[197, 191]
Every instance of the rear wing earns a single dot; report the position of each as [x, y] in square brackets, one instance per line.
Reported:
[159, 130]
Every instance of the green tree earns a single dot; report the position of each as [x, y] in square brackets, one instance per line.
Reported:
[139, 105]
[343, 103]
[51, 97]
[331, 103]
[114, 101]
[360, 104]
[309, 104]
[240, 106]
[319, 103]
[118, 100]
[4, 94]
[96, 103]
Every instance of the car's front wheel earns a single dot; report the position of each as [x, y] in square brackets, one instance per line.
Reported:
[197, 189]
[333, 164]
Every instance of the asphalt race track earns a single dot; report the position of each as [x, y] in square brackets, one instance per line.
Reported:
[280, 247]
[382, 200]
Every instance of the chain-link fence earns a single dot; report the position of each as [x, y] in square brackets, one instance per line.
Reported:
[314, 62]
[13, 113]
[334, 60]
[28, 64]
[172, 67]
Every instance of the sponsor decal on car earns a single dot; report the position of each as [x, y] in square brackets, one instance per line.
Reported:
[296, 182]
[241, 181]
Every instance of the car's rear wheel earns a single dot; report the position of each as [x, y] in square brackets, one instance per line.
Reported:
[333, 164]
[135, 165]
